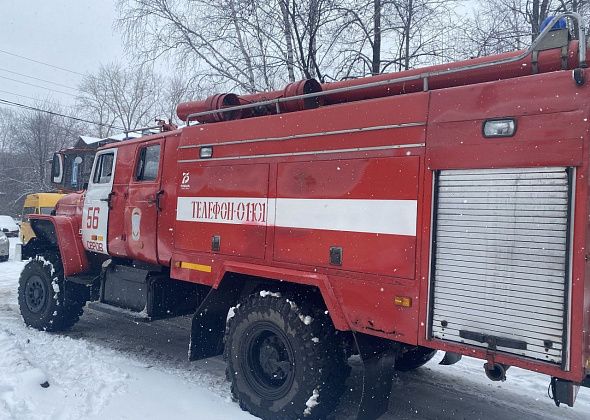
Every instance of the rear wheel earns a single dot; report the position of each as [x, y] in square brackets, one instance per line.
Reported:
[414, 358]
[42, 295]
[284, 361]
[3, 258]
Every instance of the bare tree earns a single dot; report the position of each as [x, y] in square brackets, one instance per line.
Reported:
[119, 97]
[384, 35]
[6, 130]
[503, 25]
[39, 135]
[253, 45]
[250, 45]
[206, 37]
[176, 89]
[492, 29]
[27, 143]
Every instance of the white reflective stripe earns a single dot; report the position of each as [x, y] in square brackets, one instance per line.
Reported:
[394, 217]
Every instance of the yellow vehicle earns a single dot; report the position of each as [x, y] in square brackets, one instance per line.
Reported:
[38, 203]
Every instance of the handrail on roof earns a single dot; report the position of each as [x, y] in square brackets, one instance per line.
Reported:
[424, 76]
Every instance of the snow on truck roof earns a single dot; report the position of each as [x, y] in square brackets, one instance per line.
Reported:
[90, 140]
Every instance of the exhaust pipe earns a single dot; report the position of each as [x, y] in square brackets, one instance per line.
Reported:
[495, 371]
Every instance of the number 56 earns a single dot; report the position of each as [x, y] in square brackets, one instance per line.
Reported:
[92, 217]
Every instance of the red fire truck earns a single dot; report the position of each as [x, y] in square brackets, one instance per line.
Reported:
[444, 208]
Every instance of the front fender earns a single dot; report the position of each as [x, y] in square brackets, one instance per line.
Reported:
[61, 232]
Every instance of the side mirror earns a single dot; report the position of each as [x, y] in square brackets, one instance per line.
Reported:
[57, 168]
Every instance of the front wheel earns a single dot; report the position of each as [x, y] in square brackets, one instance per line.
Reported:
[282, 362]
[42, 298]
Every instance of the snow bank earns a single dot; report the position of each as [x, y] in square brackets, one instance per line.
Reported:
[46, 376]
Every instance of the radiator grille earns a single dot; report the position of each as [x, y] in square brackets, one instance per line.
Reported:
[501, 259]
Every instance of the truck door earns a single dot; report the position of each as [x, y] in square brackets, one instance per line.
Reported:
[143, 204]
[95, 216]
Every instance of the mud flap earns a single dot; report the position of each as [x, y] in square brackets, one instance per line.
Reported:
[378, 359]
[208, 325]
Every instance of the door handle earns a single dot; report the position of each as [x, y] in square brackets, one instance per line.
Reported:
[109, 200]
[156, 200]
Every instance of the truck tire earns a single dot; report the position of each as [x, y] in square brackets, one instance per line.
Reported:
[41, 295]
[4, 258]
[282, 363]
[414, 358]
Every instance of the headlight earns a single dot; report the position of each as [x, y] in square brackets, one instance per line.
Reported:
[3, 239]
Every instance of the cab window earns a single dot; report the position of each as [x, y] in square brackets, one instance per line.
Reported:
[27, 211]
[103, 169]
[147, 163]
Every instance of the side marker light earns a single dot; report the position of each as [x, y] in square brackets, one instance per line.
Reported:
[404, 301]
[206, 152]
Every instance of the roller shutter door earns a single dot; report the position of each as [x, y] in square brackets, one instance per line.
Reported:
[500, 260]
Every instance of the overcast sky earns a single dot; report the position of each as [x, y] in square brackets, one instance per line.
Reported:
[77, 35]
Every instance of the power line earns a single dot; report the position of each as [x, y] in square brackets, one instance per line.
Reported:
[32, 108]
[18, 94]
[28, 97]
[38, 86]
[43, 63]
[36, 78]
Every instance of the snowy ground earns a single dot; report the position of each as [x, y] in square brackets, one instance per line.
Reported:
[112, 368]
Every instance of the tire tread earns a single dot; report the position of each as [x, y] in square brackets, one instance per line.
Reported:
[324, 361]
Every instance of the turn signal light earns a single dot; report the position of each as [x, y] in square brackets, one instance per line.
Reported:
[404, 301]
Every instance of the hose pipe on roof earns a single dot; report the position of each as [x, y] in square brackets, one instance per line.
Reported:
[212, 103]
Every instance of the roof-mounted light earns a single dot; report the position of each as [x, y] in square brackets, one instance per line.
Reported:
[560, 24]
[505, 127]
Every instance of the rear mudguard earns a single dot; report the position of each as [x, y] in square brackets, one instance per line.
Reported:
[59, 232]
[378, 358]
[209, 321]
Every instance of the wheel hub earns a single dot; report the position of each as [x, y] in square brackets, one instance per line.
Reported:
[268, 362]
[35, 294]
[271, 358]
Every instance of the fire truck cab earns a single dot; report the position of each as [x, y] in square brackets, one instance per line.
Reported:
[439, 209]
